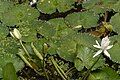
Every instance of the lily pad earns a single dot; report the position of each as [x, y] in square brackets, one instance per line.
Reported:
[99, 6]
[115, 22]
[17, 14]
[86, 19]
[9, 72]
[52, 5]
[9, 49]
[116, 6]
[3, 31]
[86, 39]
[67, 49]
[114, 51]
[105, 74]
[85, 58]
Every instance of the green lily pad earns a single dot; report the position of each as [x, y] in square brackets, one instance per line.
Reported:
[86, 19]
[116, 6]
[9, 72]
[64, 5]
[17, 14]
[86, 40]
[3, 31]
[85, 58]
[105, 74]
[8, 50]
[52, 5]
[4, 6]
[67, 49]
[114, 51]
[99, 6]
[115, 22]
[60, 28]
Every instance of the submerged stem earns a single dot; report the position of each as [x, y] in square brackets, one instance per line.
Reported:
[59, 70]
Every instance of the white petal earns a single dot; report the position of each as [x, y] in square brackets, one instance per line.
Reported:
[105, 45]
[97, 53]
[107, 54]
[96, 46]
[105, 41]
[97, 43]
[109, 47]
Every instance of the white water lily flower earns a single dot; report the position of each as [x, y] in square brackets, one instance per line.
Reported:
[15, 33]
[103, 47]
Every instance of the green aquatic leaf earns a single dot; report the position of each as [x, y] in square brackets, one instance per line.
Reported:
[114, 51]
[4, 6]
[8, 50]
[62, 33]
[65, 36]
[52, 5]
[64, 5]
[66, 46]
[116, 6]
[17, 14]
[115, 22]
[99, 6]
[59, 34]
[58, 23]
[9, 72]
[30, 30]
[86, 39]
[67, 49]
[3, 31]
[46, 29]
[53, 46]
[85, 58]
[86, 19]
[60, 26]
[28, 33]
[104, 74]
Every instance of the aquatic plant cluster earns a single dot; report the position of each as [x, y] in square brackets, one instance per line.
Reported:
[60, 39]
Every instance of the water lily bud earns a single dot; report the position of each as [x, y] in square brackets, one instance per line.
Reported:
[16, 34]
